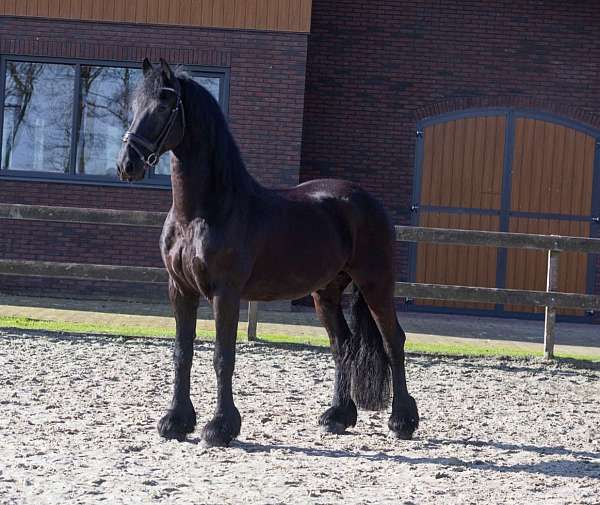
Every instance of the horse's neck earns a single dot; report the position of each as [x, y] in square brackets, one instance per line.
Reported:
[195, 193]
[188, 191]
[204, 184]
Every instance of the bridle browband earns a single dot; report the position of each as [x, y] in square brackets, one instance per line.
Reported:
[154, 148]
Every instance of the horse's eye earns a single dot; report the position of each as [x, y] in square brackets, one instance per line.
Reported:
[163, 96]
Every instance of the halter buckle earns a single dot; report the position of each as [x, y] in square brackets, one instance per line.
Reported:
[152, 159]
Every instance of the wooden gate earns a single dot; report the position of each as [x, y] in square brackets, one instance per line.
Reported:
[503, 170]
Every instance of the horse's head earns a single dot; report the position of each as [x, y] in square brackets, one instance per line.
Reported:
[158, 121]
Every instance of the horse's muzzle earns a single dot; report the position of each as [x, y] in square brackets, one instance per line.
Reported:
[130, 168]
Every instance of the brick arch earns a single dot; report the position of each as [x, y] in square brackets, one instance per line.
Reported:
[510, 102]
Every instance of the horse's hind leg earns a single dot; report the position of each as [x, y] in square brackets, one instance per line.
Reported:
[342, 412]
[180, 419]
[378, 294]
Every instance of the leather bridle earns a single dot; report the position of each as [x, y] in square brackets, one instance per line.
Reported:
[137, 142]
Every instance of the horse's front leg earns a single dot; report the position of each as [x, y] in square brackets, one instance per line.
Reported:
[226, 423]
[180, 418]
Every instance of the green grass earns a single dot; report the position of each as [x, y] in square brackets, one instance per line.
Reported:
[418, 347]
[26, 323]
[484, 350]
[476, 349]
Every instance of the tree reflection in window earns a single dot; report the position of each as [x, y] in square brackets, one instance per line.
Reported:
[36, 132]
[103, 116]
[38, 117]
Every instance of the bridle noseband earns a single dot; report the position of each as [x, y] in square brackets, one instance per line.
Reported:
[136, 141]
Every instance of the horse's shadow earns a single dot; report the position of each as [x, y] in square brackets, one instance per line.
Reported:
[559, 451]
[582, 467]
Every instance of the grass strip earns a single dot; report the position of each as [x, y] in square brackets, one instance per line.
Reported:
[475, 349]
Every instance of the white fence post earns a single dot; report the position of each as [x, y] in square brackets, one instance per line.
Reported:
[550, 313]
[252, 320]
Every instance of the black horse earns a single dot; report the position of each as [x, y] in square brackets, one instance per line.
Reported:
[228, 238]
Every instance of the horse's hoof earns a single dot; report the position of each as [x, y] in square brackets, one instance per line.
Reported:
[337, 419]
[333, 428]
[222, 429]
[402, 428]
[406, 421]
[176, 424]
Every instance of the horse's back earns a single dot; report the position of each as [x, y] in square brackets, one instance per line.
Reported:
[306, 235]
[363, 215]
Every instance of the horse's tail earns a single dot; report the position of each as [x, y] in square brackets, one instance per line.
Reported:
[369, 365]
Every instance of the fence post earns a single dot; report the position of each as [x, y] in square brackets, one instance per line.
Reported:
[550, 313]
[252, 320]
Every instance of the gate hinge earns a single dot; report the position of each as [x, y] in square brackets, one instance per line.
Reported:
[419, 133]
[414, 208]
[596, 219]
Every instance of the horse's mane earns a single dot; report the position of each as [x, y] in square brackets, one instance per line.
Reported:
[203, 111]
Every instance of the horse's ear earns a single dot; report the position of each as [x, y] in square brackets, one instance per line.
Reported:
[147, 66]
[167, 72]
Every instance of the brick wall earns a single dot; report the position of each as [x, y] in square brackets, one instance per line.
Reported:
[266, 98]
[375, 68]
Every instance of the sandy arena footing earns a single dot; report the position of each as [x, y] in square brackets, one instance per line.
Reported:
[78, 425]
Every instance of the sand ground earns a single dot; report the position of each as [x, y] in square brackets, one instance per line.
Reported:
[78, 416]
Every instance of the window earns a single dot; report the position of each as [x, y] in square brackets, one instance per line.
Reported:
[36, 132]
[105, 95]
[64, 120]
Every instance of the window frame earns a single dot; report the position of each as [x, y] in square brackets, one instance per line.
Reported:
[151, 180]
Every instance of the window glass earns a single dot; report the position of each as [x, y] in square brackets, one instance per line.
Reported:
[36, 132]
[104, 116]
[38, 109]
[213, 85]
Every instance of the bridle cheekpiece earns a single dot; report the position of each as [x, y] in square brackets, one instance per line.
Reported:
[136, 142]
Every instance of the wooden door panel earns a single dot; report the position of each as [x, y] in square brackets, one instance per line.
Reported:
[462, 168]
[551, 186]
[454, 264]
[526, 268]
[552, 169]
[462, 163]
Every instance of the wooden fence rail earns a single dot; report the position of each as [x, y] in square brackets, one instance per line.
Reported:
[550, 299]
[77, 215]
[497, 239]
[86, 271]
